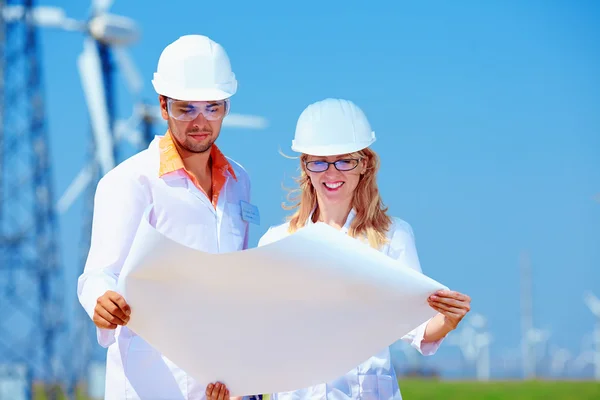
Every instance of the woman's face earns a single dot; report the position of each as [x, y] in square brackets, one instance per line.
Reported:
[334, 185]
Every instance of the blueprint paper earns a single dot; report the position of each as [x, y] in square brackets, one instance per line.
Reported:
[297, 312]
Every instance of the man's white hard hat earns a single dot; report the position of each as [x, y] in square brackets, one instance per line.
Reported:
[194, 67]
[332, 127]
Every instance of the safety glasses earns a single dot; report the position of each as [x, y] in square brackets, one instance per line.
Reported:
[183, 110]
[347, 164]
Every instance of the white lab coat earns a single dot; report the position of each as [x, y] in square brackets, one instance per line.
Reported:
[181, 211]
[375, 378]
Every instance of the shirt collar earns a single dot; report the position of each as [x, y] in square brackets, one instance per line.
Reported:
[171, 161]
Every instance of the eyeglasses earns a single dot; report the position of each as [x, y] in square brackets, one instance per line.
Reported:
[183, 110]
[347, 164]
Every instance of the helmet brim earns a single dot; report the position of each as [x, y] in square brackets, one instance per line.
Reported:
[332, 149]
[209, 94]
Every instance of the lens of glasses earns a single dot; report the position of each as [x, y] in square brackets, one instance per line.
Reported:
[190, 110]
[340, 165]
[346, 165]
[317, 166]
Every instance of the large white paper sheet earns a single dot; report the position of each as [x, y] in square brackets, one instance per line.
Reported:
[291, 314]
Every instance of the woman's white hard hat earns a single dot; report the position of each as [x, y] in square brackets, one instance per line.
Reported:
[332, 127]
[194, 68]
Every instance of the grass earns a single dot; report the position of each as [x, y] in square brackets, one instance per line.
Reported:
[499, 390]
[40, 394]
[429, 389]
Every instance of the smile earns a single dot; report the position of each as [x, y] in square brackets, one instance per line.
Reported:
[333, 185]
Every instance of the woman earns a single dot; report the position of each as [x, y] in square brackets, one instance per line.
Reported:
[338, 186]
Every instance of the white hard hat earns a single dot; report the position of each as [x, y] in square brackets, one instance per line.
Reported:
[330, 127]
[194, 68]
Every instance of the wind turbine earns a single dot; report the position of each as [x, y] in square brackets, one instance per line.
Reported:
[538, 338]
[474, 342]
[559, 357]
[530, 336]
[593, 303]
[482, 341]
[586, 355]
[463, 339]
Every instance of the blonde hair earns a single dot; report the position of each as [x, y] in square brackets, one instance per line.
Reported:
[371, 221]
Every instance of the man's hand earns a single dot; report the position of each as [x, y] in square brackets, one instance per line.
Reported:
[111, 310]
[218, 391]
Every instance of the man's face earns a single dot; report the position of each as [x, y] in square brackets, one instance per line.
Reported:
[195, 125]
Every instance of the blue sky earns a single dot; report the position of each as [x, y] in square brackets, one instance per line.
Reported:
[486, 113]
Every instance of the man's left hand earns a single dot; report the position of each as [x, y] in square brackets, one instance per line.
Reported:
[218, 391]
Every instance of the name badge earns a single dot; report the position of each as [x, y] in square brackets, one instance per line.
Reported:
[250, 212]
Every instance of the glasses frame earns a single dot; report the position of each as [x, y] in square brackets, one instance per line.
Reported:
[226, 103]
[334, 163]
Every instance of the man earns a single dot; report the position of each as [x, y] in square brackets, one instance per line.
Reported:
[196, 195]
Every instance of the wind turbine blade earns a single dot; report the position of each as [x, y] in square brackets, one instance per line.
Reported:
[245, 121]
[47, 16]
[478, 321]
[150, 113]
[12, 13]
[101, 6]
[81, 181]
[130, 72]
[92, 80]
[592, 302]
[127, 130]
[54, 17]
[583, 359]
[135, 138]
[121, 128]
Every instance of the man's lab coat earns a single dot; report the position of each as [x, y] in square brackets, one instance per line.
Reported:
[182, 212]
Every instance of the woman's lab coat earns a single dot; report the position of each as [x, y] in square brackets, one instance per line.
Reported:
[375, 378]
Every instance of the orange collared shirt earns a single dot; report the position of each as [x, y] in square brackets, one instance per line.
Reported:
[171, 161]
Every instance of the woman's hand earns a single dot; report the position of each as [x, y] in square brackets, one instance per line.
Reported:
[452, 305]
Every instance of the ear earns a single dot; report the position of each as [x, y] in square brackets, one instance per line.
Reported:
[163, 107]
[363, 166]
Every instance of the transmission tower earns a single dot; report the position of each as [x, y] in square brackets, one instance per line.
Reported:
[31, 280]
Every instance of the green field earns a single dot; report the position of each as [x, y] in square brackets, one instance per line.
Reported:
[424, 389]
[514, 390]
